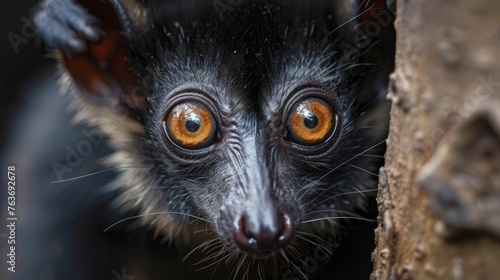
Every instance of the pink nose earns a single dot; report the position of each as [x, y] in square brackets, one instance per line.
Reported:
[263, 237]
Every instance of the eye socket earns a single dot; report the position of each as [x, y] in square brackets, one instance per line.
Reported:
[190, 125]
[312, 122]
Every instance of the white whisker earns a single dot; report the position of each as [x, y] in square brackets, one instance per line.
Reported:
[325, 250]
[342, 164]
[338, 218]
[204, 244]
[155, 213]
[364, 170]
[95, 173]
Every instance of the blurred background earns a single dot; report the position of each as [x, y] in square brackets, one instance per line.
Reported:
[21, 63]
[36, 135]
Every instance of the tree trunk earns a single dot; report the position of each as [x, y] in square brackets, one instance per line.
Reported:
[439, 194]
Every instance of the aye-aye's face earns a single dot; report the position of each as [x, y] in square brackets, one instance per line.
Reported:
[259, 120]
[255, 124]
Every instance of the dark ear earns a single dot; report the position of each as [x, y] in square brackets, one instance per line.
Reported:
[94, 37]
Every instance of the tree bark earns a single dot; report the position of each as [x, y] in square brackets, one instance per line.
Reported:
[439, 193]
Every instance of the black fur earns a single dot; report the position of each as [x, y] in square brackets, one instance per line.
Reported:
[249, 65]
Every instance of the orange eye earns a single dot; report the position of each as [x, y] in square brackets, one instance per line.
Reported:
[312, 122]
[190, 125]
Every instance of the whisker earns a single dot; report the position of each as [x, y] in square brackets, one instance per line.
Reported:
[338, 218]
[285, 264]
[206, 230]
[337, 195]
[245, 275]
[209, 250]
[321, 247]
[237, 267]
[364, 170]
[341, 194]
[373, 156]
[260, 270]
[353, 214]
[313, 182]
[218, 263]
[345, 162]
[324, 249]
[213, 256]
[293, 251]
[95, 173]
[363, 109]
[155, 213]
[275, 267]
[294, 265]
[198, 247]
[347, 22]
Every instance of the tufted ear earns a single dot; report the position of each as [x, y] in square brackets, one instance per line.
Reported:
[95, 38]
[103, 72]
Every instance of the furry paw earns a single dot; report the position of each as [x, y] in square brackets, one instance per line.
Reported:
[66, 25]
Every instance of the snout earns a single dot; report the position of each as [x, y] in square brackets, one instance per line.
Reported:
[258, 228]
[262, 237]
[259, 214]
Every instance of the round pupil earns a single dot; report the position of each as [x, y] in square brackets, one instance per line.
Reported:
[192, 125]
[310, 120]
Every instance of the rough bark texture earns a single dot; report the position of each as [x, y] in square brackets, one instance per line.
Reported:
[439, 196]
